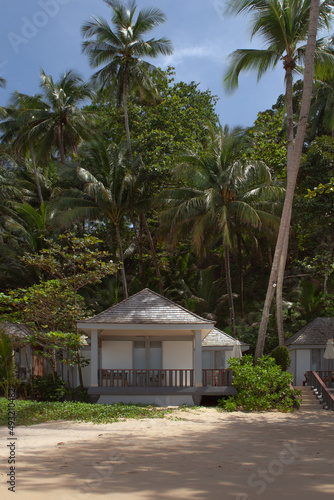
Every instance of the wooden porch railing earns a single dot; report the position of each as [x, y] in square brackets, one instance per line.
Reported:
[327, 377]
[217, 377]
[145, 378]
[314, 379]
[162, 378]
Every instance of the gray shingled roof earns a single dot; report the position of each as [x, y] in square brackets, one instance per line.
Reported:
[147, 307]
[217, 338]
[16, 330]
[315, 333]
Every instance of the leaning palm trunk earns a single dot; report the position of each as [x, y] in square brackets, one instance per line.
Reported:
[292, 174]
[279, 293]
[120, 248]
[281, 268]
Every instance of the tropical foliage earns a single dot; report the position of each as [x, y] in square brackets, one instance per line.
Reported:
[179, 203]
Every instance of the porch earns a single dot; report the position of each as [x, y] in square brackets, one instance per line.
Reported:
[172, 378]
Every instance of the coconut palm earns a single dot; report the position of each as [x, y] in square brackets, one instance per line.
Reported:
[50, 121]
[285, 25]
[224, 193]
[120, 48]
[105, 187]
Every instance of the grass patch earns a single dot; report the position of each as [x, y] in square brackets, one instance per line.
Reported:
[36, 412]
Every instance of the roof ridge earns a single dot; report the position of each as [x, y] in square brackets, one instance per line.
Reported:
[161, 297]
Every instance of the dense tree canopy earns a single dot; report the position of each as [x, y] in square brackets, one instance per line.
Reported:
[183, 206]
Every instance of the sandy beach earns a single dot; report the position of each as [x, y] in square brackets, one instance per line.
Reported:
[199, 454]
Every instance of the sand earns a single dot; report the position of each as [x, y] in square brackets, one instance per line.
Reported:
[205, 455]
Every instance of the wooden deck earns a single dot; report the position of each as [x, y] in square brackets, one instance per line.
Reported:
[130, 382]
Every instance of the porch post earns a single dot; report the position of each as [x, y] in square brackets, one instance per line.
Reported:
[198, 359]
[94, 359]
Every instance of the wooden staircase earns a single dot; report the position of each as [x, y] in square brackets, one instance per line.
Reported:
[308, 400]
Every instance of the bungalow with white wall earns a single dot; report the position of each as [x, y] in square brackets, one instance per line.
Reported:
[147, 349]
[307, 348]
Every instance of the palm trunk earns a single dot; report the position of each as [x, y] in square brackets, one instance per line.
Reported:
[36, 176]
[154, 254]
[61, 145]
[126, 117]
[229, 287]
[140, 247]
[120, 248]
[279, 294]
[241, 277]
[293, 173]
[282, 262]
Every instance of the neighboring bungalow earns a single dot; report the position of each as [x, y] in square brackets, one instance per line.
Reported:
[27, 361]
[307, 348]
[148, 349]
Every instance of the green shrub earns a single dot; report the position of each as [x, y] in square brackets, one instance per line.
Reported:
[261, 387]
[282, 357]
[48, 388]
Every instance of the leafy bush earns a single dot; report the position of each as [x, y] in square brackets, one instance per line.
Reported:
[282, 357]
[48, 388]
[260, 388]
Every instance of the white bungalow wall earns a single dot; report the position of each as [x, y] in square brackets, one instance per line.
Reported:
[117, 354]
[177, 354]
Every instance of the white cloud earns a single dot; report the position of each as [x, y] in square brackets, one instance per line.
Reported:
[207, 51]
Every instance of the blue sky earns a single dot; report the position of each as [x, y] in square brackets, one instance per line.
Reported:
[45, 34]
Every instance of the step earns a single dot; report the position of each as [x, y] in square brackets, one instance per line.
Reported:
[308, 399]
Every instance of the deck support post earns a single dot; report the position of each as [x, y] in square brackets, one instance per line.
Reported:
[198, 358]
[94, 360]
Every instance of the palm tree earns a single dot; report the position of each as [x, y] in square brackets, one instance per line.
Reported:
[224, 193]
[14, 128]
[3, 83]
[107, 185]
[62, 124]
[284, 25]
[52, 120]
[121, 47]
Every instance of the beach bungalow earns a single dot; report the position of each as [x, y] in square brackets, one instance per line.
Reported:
[147, 349]
[307, 348]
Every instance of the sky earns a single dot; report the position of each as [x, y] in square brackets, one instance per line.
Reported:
[45, 34]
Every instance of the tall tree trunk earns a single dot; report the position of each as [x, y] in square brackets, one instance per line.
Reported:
[154, 254]
[229, 287]
[61, 144]
[33, 159]
[120, 248]
[282, 261]
[126, 117]
[292, 173]
[279, 294]
[140, 247]
[241, 277]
